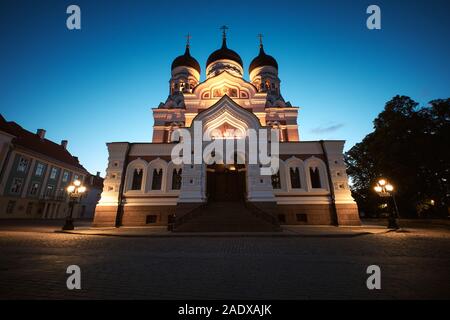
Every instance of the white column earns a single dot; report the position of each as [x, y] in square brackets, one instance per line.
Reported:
[259, 187]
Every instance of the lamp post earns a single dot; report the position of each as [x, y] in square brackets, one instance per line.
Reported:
[75, 191]
[385, 189]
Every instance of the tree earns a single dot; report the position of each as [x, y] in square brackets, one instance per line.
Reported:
[407, 147]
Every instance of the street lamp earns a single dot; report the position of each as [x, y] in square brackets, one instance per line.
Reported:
[75, 191]
[385, 189]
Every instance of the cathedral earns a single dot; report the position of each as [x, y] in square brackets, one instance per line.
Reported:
[145, 187]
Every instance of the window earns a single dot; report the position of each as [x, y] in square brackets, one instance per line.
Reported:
[76, 177]
[34, 188]
[282, 218]
[23, 165]
[53, 173]
[49, 191]
[157, 179]
[65, 177]
[39, 170]
[176, 179]
[276, 181]
[315, 178]
[10, 207]
[137, 180]
[29, 209]
[301, 217]
[295, 178]
[16, 185]
[150, 219]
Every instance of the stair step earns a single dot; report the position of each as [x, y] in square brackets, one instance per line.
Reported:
[226, 217]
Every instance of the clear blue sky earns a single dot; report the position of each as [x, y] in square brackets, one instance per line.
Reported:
[99, 84]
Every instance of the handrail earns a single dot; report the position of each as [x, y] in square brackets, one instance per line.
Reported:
[262, 214]
[188, 216]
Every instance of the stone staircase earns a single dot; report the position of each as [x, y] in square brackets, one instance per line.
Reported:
[227, 217]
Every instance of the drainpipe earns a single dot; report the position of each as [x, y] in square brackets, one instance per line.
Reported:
[334, 217]
[119, 214]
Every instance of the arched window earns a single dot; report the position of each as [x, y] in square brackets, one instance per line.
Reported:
[295, 178]
[137, 179]
[315, 178]
[176, 179]
[276, 180]
[157, 179]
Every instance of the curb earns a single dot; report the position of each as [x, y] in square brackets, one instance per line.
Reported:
[217, 235]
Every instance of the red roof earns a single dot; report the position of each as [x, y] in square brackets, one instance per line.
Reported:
[32, 141]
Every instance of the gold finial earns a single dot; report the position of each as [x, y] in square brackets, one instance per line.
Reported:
[260, 36]
[188, 39]
[224, 31]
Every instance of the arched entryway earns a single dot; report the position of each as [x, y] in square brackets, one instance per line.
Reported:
[226, 182]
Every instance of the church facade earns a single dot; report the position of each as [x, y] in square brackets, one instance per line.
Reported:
[144, 186]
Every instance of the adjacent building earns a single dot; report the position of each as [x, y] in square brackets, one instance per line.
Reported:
[34, 175]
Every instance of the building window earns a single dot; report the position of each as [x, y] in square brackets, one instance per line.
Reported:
[23, 165]
[157, 179]
[301, 217]
[315, 178]
[39, 170]
[76, 177]
[150, 219]
[295, 178]
[34, 188]
[49, 191]
[53, 173]
[137, 180]
[29, 209]
[10, 207]
[16, 185]
[276, 180]
[176, 179]
[65, 177]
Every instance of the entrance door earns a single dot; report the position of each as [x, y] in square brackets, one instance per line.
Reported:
[226, 183]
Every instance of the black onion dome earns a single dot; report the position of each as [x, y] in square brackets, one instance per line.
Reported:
[186, 60]
[263, 59]
[224, 53]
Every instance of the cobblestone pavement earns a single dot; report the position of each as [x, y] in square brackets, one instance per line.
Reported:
[414, 265]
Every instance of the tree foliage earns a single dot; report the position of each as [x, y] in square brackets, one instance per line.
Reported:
[410, 147]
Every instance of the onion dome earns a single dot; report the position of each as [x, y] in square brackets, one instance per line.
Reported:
[186, 60]
[224, 53]
[262, 59]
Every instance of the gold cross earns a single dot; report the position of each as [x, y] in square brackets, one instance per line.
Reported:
[224, 31]
[260, 36]
[188, 37]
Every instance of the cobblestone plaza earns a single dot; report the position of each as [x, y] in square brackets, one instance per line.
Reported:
[414, 265]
